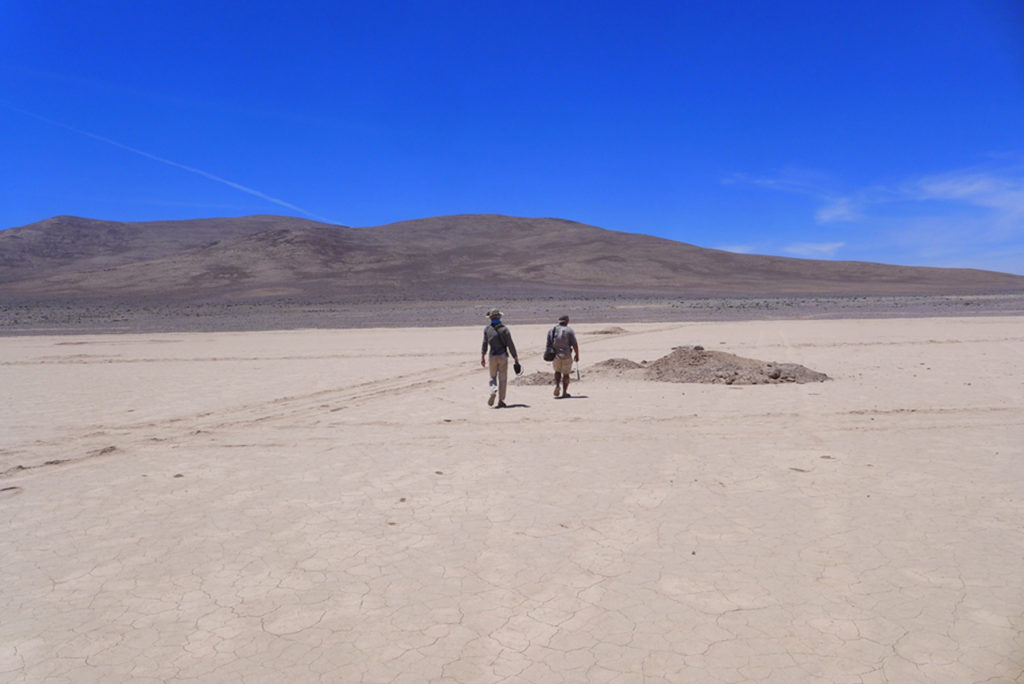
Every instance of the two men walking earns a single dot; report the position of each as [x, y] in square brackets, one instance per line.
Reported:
[498, 345]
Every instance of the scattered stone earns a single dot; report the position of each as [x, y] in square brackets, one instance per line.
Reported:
[536, 378]
[617, 364]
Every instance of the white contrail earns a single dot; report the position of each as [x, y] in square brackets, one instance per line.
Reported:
[192, 169]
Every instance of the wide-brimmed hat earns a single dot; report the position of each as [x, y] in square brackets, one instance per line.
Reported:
[494, 313]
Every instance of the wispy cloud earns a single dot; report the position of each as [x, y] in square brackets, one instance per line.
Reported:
[791, 180]
[1002, 195]
[814, 250]
[835, 207]
[738, 249]
[999, 189]
[843, 209]
[966, 216]
[169, 162]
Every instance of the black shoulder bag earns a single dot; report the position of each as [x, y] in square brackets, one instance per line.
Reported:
[549, 352]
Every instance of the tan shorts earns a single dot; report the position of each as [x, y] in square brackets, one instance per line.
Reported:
[562, 365]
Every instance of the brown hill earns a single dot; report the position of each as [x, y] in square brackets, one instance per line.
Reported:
[451, 257]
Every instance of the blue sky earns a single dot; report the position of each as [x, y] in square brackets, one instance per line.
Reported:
[878, 131]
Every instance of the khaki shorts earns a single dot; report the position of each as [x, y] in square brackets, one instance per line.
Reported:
[562, 365]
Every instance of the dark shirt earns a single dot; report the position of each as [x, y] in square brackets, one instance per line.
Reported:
[499, 339]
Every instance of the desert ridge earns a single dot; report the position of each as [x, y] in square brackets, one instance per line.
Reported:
[285, 259]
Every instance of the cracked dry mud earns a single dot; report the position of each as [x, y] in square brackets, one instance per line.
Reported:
[338, 506]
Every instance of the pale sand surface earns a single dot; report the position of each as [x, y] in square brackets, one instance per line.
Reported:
[342, 506]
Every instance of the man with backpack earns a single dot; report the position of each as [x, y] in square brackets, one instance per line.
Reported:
[498, 339]
[562, 341]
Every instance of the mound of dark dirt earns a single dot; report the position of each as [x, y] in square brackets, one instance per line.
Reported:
[695, 364]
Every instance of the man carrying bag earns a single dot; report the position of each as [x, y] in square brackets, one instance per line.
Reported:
[562, 348]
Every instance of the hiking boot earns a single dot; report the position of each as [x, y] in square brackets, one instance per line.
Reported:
[558, 390]
[502, 404]
[490, 399]
[567, 396]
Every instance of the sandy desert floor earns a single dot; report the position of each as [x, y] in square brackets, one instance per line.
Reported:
[342, 506]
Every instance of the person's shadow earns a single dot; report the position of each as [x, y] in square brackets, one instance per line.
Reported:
[511, 406]
[573, 396]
